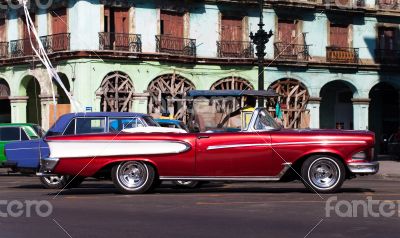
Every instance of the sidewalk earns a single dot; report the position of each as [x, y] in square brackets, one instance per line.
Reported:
[389, 169]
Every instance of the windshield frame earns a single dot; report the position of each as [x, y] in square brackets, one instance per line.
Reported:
[255, 118]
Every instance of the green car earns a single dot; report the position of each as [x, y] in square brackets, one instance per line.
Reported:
[17, 132]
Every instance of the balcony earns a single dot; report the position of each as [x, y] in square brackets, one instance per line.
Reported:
[291, 51]
[387, 56]
[120, 41]
[342, 55]
[56, 42]
[175, 45]
[3, 50]
[387, 4]
[235, 49]
[22, 47]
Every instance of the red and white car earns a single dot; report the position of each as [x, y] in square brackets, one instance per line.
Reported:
[136, 162]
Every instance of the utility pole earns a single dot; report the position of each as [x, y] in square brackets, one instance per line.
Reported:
[260, 39]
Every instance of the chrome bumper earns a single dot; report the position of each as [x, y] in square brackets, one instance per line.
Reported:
[364, 168]
[47, 166]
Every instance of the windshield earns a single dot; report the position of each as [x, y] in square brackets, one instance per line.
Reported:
[265, 122]
[150, 121]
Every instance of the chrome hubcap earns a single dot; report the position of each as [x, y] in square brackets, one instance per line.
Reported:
[132, 174]
[324, 173]
[53, 179]
[184, 182]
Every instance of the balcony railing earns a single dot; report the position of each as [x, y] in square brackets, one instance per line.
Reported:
[176, 45]
[120, 41]
[56, 42]
[342, 55]
[22, 47]
[291, 51]
[387, 56]
[3, 50]
[388, 4]
[235, 49]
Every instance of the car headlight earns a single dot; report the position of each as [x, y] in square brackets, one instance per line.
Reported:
[359, 156]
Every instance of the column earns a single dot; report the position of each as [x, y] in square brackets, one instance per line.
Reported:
[140, 101]
[97, 107]
[360, 113]
[313, 105]
[18, 109]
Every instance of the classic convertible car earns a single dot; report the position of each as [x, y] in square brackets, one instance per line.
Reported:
[136, 162]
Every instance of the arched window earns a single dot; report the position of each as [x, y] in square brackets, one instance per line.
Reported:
[293, 102]
[166, 92]
[116, 92]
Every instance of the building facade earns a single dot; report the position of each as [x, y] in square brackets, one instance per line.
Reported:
[336, 64]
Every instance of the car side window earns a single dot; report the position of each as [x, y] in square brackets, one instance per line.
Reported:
[118, 124]
[9, 133]
[70, 130]
[90, 125]
[24, 136]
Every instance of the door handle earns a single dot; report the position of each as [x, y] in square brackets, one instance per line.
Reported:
[203, 137]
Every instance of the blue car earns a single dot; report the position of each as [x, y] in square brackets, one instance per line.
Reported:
[24, 156]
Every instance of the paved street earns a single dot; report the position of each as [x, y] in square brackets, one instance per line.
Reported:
[216, 210]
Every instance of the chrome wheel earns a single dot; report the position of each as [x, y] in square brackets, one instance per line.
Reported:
[324, 173]
[186, 183]
[133, 175]
[54, 180]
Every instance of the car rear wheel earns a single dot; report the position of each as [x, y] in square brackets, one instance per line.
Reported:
[323, 174]
[54, 182]
[133, 177]
[186, 183]
[61, 181]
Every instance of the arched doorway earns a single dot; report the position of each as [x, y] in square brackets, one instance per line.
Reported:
[384, 113]
[166, 93]
[33, 106]
[116, 92]
[232, 83]
[336, 109]
[293, 102]
[5, 107]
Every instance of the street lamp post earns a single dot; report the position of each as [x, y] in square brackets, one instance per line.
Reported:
[260, 38]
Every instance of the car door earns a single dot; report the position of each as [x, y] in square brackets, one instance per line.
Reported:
[233, 154]
[26, 153]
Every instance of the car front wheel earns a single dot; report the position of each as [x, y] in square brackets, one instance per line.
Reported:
[323, 174]
[133, 177]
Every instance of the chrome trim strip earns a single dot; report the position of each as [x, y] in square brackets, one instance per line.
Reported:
[215, 147]
[231, 178]
[221, 178]
[321, 142]
[30, 148]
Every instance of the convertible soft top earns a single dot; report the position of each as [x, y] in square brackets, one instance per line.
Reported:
[232, 93]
